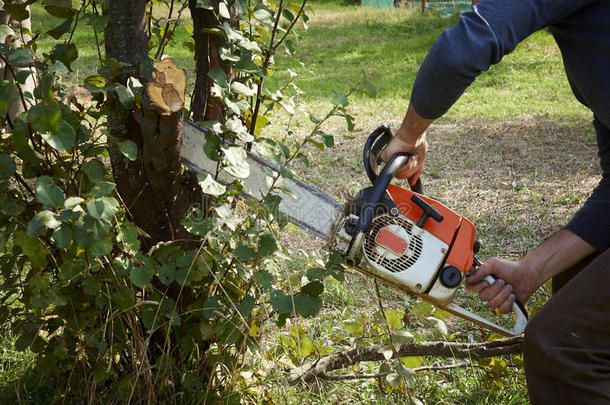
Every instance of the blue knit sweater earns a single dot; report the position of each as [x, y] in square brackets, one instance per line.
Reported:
[493, 29]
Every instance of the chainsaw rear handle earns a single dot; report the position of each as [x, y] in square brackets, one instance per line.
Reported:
[371, 155]
[518, 310]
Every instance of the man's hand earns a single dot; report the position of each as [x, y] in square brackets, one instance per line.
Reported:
[415, 166]
[560, 252]
[514, 281]
[410, 137]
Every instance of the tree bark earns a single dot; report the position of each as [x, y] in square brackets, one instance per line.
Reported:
[151, 185]
[17, 104]
[204, 106]
[309, 372]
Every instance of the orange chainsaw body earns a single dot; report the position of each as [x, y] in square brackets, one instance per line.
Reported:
[454, 230]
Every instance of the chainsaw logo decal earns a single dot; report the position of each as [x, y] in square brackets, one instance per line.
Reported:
[392, 242]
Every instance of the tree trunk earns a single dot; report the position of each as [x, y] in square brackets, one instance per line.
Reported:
[17, 104]
[150, 185]
[204, 106]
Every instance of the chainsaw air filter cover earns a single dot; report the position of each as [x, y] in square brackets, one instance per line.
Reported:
[398, 250]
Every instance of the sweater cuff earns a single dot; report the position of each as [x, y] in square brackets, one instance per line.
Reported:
[592, 222]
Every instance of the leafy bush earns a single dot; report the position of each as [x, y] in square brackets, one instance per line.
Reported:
[109, 316]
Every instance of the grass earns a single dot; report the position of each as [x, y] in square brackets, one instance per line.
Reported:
[500, 157]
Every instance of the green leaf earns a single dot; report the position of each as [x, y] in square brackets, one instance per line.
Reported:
[94, 170]
[61, 29]
[41, 221]
[211, 307]
[63, 236]
[129, 149]
[18, 11]
[209, 185]
[280, 302]
[328, 139]
[8, 167]
[267, 245]
[98, 22]
[65, 53]
[393, 379]
[102, 189]
[264, 279]
[128, 235]
[244, 253]
[287, 105]
[63, 140]
[339, 99]
[103, 208]
[96, 81]
[205, 4]
[246, 306]
[438, 324]
[59, 8]
[223, 11]
[313, 289]
[235, 161]
[307, 306]
[45, 118]
[141, 275]
[422, 309]
[20, 57]
[394, 318]
[219, 77]
[314, 119]
[126, 97]
[5, 31]
[166, 273]
[11, 208]
[241, 88]
[369, 89]
[212, 145]
[101, 248]
[32, 248]
[48, 194]
[401, 336]
[316, 273]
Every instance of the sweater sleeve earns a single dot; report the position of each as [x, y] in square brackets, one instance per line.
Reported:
[480, 39]
[592, 222]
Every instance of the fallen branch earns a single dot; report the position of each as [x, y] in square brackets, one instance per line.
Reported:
[309, 372]
[358, 376]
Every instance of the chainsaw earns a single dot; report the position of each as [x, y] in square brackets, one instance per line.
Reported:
[398, 236]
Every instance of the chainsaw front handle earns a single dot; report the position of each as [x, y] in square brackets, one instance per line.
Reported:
[371, 155]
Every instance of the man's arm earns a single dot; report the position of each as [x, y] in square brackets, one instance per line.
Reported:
[410, 137]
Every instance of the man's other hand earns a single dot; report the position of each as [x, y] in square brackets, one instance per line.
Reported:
[514, 281]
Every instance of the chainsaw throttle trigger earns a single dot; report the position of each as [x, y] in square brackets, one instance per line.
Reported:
[429, 211]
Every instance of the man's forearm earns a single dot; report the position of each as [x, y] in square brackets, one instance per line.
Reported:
[558, 253]
[413, 127]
